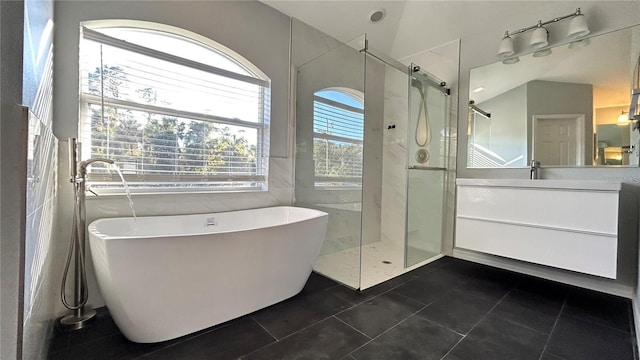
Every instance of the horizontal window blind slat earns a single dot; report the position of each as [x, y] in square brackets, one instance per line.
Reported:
[337, 104]
[108, 40]
[95, 100]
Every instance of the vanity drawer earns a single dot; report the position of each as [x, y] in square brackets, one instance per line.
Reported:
[588, 253]
[553, 223]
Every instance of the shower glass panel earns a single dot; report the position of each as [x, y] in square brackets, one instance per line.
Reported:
[386, 99]
[427, 145]
[329, 155]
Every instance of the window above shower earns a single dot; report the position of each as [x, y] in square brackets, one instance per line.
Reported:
[174, 110]
[338, 132]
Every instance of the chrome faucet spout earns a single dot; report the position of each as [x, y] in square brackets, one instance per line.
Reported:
[82, 166]
[534, 170]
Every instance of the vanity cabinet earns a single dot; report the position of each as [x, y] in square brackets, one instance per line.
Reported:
[565, 224]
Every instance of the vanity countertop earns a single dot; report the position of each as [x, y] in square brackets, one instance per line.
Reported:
[595, 185]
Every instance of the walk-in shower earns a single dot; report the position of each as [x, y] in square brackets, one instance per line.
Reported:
[361, 121]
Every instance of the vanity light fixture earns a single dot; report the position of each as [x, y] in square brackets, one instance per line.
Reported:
[540, 37]
[623, 118]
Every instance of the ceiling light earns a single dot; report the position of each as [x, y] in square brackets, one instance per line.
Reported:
[478, 89]
[506, 46]
[377, 15]
[578, 26]
[540, 36]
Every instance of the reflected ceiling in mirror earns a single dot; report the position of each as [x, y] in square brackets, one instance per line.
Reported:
[550, 107]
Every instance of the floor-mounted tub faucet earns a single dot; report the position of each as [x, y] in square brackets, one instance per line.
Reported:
[534, 170]
[80, 317]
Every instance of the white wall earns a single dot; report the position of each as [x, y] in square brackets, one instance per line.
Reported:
[256, 31]
[500, 133]
[12, 178]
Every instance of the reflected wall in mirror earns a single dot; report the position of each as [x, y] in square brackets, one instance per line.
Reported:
[564, 109]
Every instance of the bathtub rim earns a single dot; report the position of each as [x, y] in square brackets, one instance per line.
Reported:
[92, 228]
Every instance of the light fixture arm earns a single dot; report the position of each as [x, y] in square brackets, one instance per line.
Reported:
[541, 23]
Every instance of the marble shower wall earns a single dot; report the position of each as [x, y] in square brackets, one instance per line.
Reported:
[442, 62]
[39, 285]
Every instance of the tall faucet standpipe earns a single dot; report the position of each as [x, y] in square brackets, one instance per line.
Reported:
[80, 317]
[534, 170]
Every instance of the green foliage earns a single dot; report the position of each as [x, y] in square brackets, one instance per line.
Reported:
[145, 142]
[337, 159]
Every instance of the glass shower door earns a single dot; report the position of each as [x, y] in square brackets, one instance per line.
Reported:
[427, 147]
[329, 155]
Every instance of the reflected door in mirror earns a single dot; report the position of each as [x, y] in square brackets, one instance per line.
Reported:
[558, 139]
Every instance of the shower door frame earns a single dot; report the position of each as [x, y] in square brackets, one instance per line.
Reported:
[441, 86]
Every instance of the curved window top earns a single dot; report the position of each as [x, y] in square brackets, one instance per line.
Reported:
[345, 96]
[174, 110]
[177, 42]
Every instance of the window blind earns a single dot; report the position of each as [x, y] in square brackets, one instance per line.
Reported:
[171, 122]
[337, 143]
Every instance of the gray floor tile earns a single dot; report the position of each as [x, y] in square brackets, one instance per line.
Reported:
[575, 339]
[229, 342]
[328, 339]
[497, 339]
[600, 308]
[377, 315]
[431, 286]
[291, 315]
[416, 338]
[549, 356]
[529, 309]
[458, 294]
[458, 311]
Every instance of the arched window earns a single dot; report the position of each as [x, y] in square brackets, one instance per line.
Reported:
[338, 130]
[174, 110]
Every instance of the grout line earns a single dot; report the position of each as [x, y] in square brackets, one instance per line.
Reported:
[285, 337]
[264, 328]
[416, 300]
[349, 325]
[564, 304]
[479, 321]
[386, 331]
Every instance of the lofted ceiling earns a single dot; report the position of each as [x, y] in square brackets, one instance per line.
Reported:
[412, 26]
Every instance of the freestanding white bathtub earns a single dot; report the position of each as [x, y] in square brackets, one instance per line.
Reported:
[167, 276]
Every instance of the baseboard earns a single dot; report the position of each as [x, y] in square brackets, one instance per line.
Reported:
[545, 272]
[636, 323]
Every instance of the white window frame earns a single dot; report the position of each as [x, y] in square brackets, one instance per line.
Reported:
[110, 182]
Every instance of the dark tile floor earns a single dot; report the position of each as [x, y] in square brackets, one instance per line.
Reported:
[449, 309]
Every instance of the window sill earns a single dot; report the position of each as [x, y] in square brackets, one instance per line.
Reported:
[114, 193]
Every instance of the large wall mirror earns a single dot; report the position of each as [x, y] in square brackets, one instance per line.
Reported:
[568, 108]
